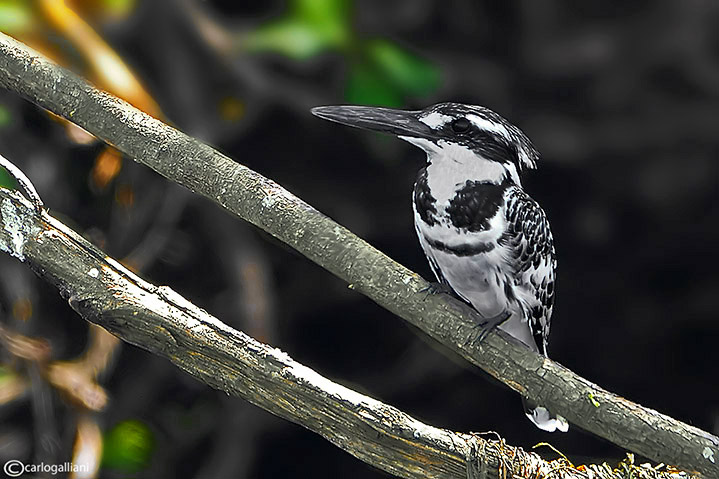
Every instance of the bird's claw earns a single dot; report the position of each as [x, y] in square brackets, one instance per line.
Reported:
[436, 288]
[489, 324]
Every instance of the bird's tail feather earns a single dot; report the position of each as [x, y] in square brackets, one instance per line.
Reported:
[544, 419]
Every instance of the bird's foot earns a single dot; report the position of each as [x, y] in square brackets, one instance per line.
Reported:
[437, 288]
[488, 324]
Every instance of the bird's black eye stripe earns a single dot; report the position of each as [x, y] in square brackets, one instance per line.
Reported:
[461, 125]
[493, 147]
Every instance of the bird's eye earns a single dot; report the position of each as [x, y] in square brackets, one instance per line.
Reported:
[460, 125]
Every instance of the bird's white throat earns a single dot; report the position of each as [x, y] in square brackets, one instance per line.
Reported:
[452, 165]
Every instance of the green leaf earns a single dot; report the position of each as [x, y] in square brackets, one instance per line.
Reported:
[120, 8]
[386, 75]
[16, 16]
[8, 377]
[128, 446]
[7, 181]
[311, 27]
[409, 73]
[322, 13]
[290, 37]
[5, 116]
[367, 86]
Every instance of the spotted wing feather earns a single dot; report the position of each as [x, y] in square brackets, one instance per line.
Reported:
[528, 239]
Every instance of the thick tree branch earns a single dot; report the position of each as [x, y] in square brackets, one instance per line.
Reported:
[161, 321]
[269, 206]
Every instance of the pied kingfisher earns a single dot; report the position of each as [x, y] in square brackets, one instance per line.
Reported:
[484, 237]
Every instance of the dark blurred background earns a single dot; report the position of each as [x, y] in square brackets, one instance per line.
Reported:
[621, 98]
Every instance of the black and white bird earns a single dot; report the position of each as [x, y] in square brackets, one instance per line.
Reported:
[484, 237]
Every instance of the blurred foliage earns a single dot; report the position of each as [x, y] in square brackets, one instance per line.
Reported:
[311, 27]
[21, 16]
[118, 8]
[380, 72]
[12, 385]
[5, 116]
[16, 16]
[7, 181]
[386, 74]
[128, 446]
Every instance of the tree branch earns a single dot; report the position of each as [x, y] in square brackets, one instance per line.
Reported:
[272, 208]
[158, 319]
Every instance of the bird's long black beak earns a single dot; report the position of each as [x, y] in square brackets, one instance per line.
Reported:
[386, 120]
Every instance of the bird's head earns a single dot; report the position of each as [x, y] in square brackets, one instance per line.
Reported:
[448, 132]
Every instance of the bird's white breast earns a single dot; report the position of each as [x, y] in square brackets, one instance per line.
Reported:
[475, 277]
[480, 278]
